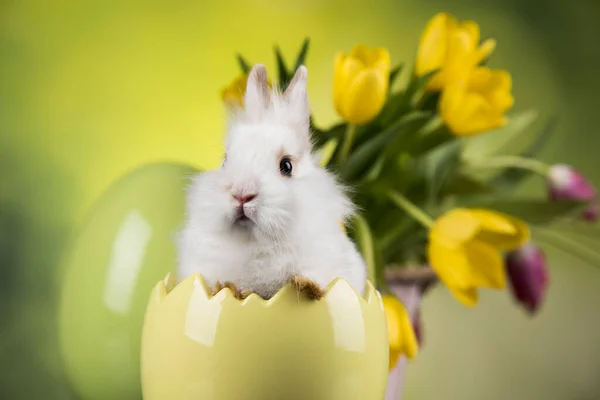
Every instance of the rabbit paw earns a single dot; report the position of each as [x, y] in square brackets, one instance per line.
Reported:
[307, 287]
[237, 293]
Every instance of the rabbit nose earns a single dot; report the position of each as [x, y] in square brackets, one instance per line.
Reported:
[243, 197]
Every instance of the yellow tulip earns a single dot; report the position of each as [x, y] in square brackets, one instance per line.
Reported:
[233, 95]
[360, 85]
[452, 47]
[478, 103]
[464, 249]
[401, 334]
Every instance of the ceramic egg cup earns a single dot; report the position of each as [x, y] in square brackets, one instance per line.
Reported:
[199, 346]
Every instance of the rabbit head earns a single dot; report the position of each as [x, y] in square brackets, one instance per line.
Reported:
[269, 184]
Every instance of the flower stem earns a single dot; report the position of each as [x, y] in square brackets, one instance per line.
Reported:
[411, 209]
[347, 143]
[530, 164]
[365, 240]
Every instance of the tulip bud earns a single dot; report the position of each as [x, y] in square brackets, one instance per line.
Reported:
[528, 275]
[565, 183]
[400, 330]
[360, 85]
[233, 94]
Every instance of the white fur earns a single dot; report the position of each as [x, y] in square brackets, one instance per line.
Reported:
[295, 220]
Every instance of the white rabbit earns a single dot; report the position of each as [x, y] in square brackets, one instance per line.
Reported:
[270, 212]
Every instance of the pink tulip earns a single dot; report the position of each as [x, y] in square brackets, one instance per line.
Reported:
[528, 275]
[565, 183]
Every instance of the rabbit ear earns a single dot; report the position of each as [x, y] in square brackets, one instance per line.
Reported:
[295, 93]
[256, 98]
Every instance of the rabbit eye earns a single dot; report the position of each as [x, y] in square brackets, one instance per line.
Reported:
[285, 166]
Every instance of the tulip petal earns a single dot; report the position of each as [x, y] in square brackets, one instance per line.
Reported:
[364, 97]
[363, 54]
[495, 86]
[410, 344]
[499, 94]
[486, 48]
[472, 29]
[461, 56]
[493, 221]
[402, 338]
[393, 309]
[450, 264]
[528, 274]
[233, 95]
[473, 105]
[502, 101]
[346, 69]
[479, 79]
[469, 111]
[487, 266]
[481, 123]
[451, 100]
[500, 79]
[454, 228]
[495, 230]
[394, 358]
[433, 44]
[382, 61]
[468, 297]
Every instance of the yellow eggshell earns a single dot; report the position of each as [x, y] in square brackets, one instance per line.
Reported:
[196, 346]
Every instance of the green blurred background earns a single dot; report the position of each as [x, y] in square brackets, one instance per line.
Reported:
[90, 90]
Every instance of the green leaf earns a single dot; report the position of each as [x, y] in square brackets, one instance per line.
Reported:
[511, 178]
[431, 141]
[440, 164]
[364, 237]
[586, 254]
[327, 151]
[533, 211]
[302, 55]
[417, 84]
[400, 229]
[393, 107]
[244, 65]
[375, 170]
[410, 249]
[399, 103]
[368, 152]
[394, 73]
[577, 227]
[281, 70]
[398, 146]
[542, 138]
[335, 132]
[486, 144]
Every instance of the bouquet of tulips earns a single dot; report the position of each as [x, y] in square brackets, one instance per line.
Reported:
[434, 170]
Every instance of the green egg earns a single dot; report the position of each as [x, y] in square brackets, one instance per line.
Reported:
[123, 248]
